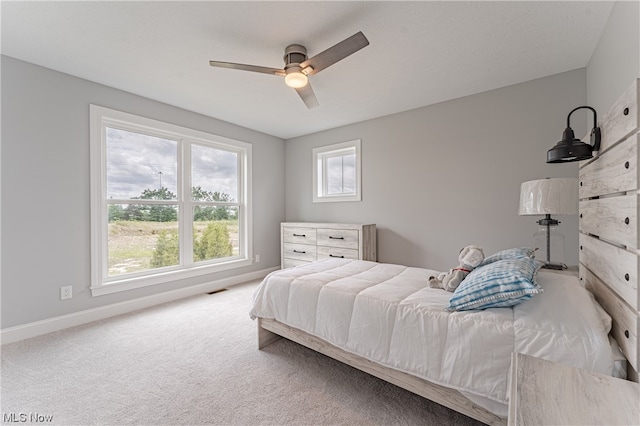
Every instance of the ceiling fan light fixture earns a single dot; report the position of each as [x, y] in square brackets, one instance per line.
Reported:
[297, 66]
[295, 78]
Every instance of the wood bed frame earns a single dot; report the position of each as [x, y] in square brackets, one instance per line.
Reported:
[270, 330]
[609, 259]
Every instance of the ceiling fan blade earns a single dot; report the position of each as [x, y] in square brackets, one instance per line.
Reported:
[336, 53]
[307, 95]
[243, 67]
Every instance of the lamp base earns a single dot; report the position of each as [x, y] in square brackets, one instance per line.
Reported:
[549, 243]
[555, 266]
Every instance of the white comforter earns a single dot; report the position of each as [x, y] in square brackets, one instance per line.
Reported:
[388, 314]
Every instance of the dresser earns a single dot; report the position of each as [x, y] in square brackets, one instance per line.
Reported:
[306, 242]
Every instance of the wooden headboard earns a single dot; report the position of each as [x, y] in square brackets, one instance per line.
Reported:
[609, 222]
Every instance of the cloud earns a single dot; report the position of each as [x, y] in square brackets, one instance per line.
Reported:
[136, 162]
[214, 170]
[341, 174]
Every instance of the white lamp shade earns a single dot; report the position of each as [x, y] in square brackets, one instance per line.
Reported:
[558, 196]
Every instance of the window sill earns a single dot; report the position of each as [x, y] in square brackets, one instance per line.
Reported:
[336, 199]
[165, 277]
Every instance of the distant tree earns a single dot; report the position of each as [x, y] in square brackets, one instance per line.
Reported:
[164, 213]
[116, 212]
[136, 212]
[160, 213]
[199, 194]
[152, 213]
[157, 194]
[208, 213]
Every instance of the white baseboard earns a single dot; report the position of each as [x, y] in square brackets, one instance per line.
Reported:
[37, 328]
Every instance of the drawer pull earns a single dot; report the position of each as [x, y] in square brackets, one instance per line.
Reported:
[626, 111]
[336, 238]
[626, 277]
[626, 165]
[332, 255]
[299, 251]
[626, 220]
[299, 235]
[626, 334]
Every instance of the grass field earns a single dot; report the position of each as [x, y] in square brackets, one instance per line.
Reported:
[131, 243]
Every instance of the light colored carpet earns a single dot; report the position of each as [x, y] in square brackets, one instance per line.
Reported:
[195, 361]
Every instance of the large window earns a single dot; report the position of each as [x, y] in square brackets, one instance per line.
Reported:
[336, 172]
[167, 202]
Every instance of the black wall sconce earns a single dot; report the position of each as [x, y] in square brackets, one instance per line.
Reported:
[572, 149]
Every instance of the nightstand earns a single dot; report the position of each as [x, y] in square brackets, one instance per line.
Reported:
[548, 393]
[571, 270]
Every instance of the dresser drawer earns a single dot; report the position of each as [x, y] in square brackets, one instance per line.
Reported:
[290, 263]
[341, 238]
[334, 252]
[299, 251]
[299, 235]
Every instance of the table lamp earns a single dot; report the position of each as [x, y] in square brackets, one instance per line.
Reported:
[557, 196]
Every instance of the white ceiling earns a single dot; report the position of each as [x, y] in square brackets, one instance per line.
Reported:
[420, 53]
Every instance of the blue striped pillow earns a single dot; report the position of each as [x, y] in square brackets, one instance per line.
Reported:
[508, 254]
[502, 283]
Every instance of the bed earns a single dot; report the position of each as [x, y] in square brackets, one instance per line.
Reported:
[385, 320]
[388, 315]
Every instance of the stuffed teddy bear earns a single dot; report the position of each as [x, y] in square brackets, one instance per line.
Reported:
[470, 257]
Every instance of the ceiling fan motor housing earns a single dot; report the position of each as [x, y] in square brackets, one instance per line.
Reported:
[294, 54]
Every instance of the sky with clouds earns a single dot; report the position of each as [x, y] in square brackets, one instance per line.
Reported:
[341, 174]
[136, 162]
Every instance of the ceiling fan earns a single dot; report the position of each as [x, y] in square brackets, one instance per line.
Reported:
[297, 67]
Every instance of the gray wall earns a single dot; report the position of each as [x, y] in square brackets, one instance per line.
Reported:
[438, 178]
[616, 60]
[45, 189]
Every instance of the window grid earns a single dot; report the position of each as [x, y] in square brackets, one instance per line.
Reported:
[324, 176]
[102, 281]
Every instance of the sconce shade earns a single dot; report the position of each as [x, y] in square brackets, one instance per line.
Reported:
[572, 149]
[558, 196]
[569, 149]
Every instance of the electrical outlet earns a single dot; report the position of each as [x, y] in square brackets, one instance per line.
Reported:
[66, 292]
[257, 258]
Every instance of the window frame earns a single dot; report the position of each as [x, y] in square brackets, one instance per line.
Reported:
[320, 175]
[101, 283]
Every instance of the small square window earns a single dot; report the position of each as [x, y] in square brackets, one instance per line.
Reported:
[336, 172]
